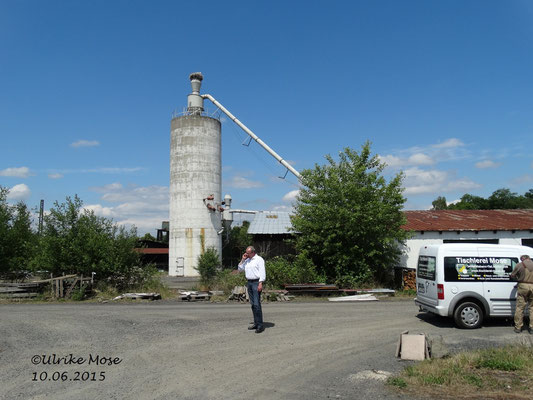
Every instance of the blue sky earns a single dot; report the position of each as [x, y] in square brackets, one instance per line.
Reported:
[443, 90]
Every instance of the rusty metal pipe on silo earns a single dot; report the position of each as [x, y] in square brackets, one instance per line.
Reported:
[252, 135]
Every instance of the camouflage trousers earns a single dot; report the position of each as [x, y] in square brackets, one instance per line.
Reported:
[524, 295]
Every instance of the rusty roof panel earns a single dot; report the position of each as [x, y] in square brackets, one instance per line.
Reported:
[469, 220]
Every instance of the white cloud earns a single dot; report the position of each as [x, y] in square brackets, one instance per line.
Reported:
[463, 184]
[411, 160]
[16, 172]
[291, 196]
[521, 180]
[85, 143]
[143, 206]
[99, 170]
[487, 164]
[451, 149]
[419, 181]
[449, 143]
[288, 209]
[19, 192]
[240, 182]
[112, 170]
[391, 161]
[100, 210]
[55, 176]
[420, 159]
[107, 188]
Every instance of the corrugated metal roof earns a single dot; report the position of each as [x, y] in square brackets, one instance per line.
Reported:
[278, 222]
[270, 222]
[469, 220]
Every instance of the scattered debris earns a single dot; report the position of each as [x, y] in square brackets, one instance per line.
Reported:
[276, 295]
[239, 293]
[60, 286]
[20, 290]
[193, 295]
[374, 374]
[142, 296]
[357, 297]
[314, 289]
[438, 347]
[322, 289]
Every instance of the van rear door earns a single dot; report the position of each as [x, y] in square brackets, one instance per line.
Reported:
[426, 286]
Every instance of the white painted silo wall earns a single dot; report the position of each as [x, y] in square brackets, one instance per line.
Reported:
[195, 173]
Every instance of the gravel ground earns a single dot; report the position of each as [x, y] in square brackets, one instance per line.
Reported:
[171, 350]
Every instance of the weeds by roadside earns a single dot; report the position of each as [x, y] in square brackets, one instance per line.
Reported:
[495, 373]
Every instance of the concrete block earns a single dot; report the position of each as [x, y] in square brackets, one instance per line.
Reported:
[412, 347]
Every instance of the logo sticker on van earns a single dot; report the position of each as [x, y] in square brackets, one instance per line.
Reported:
[457, 269]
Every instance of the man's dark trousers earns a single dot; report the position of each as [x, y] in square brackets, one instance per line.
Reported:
[255, 301]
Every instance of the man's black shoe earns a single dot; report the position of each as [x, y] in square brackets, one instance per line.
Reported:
[252, 327]
[259, 330]
[530, 330]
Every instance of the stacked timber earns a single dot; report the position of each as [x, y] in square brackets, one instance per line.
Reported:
[20, 289]
[409, 279]
[312, 289]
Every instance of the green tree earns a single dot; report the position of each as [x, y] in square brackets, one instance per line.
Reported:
[470, 202]
[76, 241]
[148, 236]
[233, 247]
[503, 199]
[17, 239]
[349, 217]
[500, 199]
[208, 262]
[439, 203]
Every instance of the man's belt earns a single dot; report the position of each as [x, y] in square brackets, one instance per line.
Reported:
[253, 280]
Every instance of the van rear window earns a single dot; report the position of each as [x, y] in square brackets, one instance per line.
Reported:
[426, 268]
[494, 269]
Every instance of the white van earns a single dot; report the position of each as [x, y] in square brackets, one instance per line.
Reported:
[468, 281]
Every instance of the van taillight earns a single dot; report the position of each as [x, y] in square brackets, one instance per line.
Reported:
[440, 291]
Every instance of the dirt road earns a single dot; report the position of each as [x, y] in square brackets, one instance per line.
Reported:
[170, 350]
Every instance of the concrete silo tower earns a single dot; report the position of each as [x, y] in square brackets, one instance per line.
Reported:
[195, 185]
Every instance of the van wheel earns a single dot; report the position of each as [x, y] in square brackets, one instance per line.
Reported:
[468, 316]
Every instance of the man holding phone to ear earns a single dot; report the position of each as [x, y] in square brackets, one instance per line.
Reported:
[254, 269]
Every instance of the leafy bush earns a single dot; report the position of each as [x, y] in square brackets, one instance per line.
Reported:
[226, 280]
[305, 271]
[76, 241]
[207, 266]
[17, 239]
[78, 294]
[348, 216]
[280, 271]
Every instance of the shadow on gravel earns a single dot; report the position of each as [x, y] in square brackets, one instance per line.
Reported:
[443, 322]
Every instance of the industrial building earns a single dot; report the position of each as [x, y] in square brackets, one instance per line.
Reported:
[199, 215]
[465, 226]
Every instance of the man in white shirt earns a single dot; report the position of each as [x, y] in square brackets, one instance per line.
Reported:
[254, 269]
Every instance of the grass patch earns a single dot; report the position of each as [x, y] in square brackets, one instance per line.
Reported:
[495, 373]
[396, 381]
